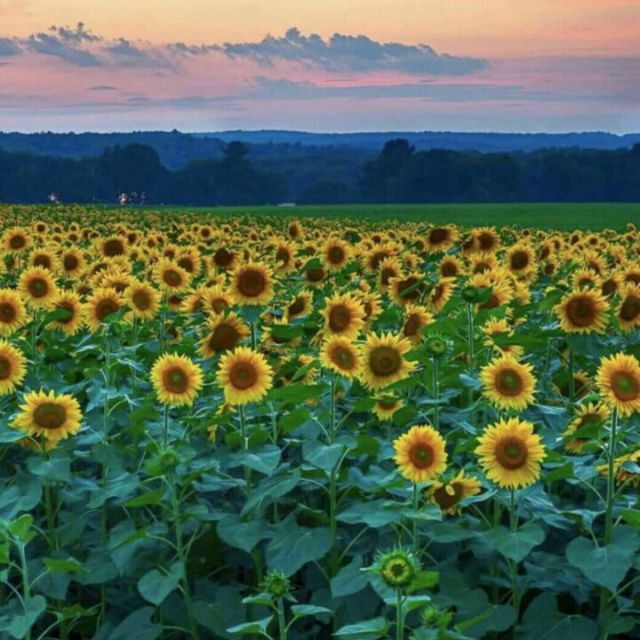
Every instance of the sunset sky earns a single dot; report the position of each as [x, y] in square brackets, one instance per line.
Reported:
[334, 65]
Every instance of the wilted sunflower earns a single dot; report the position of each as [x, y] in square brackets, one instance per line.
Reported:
[624, 475]
[252, 284]
[12, 312]
[628, 311]
[171, 277]
[225, 332]
[55, 417]
[142, 299]
[176, 379]
[510, 453]
[38, 287]
[384, 408]
[340, 355]
[507, 383]
[103, 303]
[69, 313]
[13, 367]
[343, 316]
[587, 414]
[449, 495]
[420, 454]
[583, 311]
[416, 317]
[244, 375]
[618, 381]
[383, 361]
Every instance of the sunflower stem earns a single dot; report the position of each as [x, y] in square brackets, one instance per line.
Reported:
[165, 427]
[399, 616]
[26, 586]
[414, 501]
[282, 625]
[245, 447]
[609, 504]
[572, 382]
[334, 562]
[104, 516]
[436, 393]
[513, 522]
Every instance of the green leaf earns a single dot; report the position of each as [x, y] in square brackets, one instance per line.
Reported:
[70, 565]
[516, 545]
[606, 566]
[21, 530]
[543, 621]
[301, 610]
[270, 489]
[18, 626]
[367, 630]
[145, 499]
[292, 546]
[375, 513]
[322, 456]
[263, 599]
[137, 625]
[154, 586]
[258, 626]
[293, 419]
[632, 517]
[349, 579]
[495, 618]
[242, 535]
[424, 580]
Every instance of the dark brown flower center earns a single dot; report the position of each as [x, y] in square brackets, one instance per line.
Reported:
[283, 256]
[438, 236]
[222, 257]
[176, 380]
[42, 260]
[343, 358]
[17, 242]
[49, 415]
[421, 455]
[67, 317]
[223, 337]
[384, 361]
[8, 312]
[5, 368]
[581, 311]
[172, 278]
[339, 318]
[113, 247]
[412, 325]
[511, 453]
[509, 382]
[336, 255]
[219, 304]
[315, 275]
[251, 283]
[486, 241]
[630, 308]
[187, 264]
[105, 308]
[38, 287]
[70, 263]
[625, 386]
[296, 307]
[409, 288]
[243, 375]
[141, 300]
[448, 495]
[519, 260]
[449, 270]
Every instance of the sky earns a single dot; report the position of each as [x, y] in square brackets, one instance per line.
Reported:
[329, 65]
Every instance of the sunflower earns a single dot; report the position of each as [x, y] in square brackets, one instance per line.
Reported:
[225, 333]
[171, 277]
[618, 381]
[624, 475]
[103, 303]
[12, 367]
[340, 355]
[112, 246]
[343, 316]
[142, 299]
[628, 312]
[587, 414]
[17, 239]
[73, 262]
[44, 258]
[510, 453]
[252, 284]
[244, 375]
[300, 306]
[508, 383]
[440, 294]
[450, 267]
[448, 495]
[284, 257]
[335, 254]
[383, 361]
[314, 276]
[441, 238]
[12, 312]
[55, 417]
[583, 311]
[390, 268]
[420, 454]
[70, 313]
[176, 379]
[409, 290]
[500, 327]
[520, 260]
[217, 299]
[486, 240]
[37, 286]
[223, 259]
[385, 408]
[416, 318]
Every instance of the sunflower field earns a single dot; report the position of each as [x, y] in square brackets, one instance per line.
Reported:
[263, 427]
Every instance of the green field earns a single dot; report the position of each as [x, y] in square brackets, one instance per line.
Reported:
[591, 215]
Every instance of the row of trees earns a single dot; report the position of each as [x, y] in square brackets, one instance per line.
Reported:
[398, 174]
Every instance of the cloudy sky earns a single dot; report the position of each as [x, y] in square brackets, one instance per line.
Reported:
[333, 65]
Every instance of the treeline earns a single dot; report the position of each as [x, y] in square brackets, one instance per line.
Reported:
[399, 173]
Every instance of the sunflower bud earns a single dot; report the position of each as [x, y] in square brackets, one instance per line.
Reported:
[397, 568]
[276, 583]
[436, 346]
[470, 294]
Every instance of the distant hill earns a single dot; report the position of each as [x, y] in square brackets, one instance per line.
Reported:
[176, 149]
[423, 140]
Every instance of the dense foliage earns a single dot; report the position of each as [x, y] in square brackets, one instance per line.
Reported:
[237, 174]
[265, 427]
